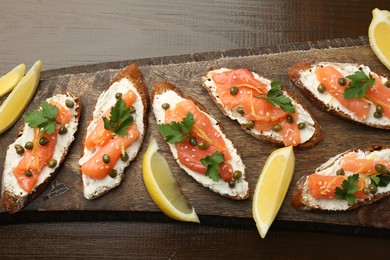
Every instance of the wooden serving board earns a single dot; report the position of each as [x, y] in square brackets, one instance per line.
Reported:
[185, 72]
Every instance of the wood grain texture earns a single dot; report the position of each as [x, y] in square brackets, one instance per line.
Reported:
[72, 32]
[186, 73]
[116, 240]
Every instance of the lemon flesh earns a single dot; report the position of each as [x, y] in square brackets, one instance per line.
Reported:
[379, 35]
[163, 188]
[11, 79]
[271, 187]
[15, 104]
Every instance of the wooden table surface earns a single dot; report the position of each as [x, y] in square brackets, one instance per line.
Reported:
[68, 33]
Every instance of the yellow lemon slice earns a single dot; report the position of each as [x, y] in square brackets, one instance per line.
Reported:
[9, 80]
[15, 104]
[163, 188]
[379, 35]
[272, 186]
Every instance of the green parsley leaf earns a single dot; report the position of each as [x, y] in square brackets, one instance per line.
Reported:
[212, 163]
[175, 132]
[43, 118]
[276, 98]
[120, 118]
[358, 85]
[381, 180]
[348, 188]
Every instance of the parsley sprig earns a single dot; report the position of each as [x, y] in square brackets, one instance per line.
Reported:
[358, 85]
[380, 180]
[43, 118]
[120, 118]
[348, 188]
[212, 163]
[276, 98]
[177, 132]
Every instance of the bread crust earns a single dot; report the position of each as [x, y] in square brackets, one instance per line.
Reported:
[295, 74]
[11, 202]
[316, 138]
[162, 87]
[298, 196]
[133, 74]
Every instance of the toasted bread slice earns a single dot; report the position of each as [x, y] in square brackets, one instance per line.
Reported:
[164, 92]
[14, 198]
[129, 79]
[304, 76]
[353, 161]
[310, 135]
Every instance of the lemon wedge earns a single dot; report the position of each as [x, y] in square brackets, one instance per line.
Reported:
[271, 188]
[13, 107]
[379, 35]
[163, 188]
[9, 80]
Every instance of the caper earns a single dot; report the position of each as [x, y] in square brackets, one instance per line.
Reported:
[43, 141]
[373, 189]
[203, 145]
[28, 173]
[69, 103]
[276, 127]
[106, 158]
[366, 190]
[232, 183]
[379, 108]
[301, 125]
[62, 130]
[118, 95]
[233, 90]
[377, 114]
[125, 157]
[52, 163]
[132, 110]
[112, 173]
[380, 168]
[19, 149]
[240, 110]
[165, 106]
[321, 88]
[290, 119]
[237, 174]
[342, 81]
[193, 141]
[387, 84]
[340, 171]
[29, 145]
[249, 124]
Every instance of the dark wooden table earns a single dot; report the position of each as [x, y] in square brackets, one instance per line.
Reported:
[71, 33]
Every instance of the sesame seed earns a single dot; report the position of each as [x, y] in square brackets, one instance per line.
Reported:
[187, 159]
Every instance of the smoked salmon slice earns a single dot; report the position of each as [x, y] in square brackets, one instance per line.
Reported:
[263, 107]
[95, 167]
[198, 143]
[115, 133]
[33, 159]
[100, 135]
[203, 131]
[37, 158]
[347, 90]
[323, 186]
[328, 76]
